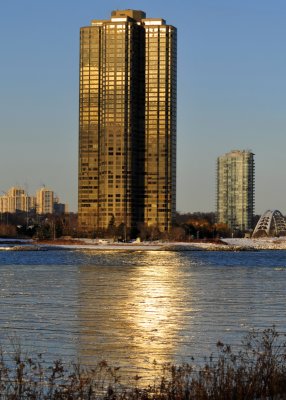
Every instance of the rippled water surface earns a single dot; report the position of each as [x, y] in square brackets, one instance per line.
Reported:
[133, 307]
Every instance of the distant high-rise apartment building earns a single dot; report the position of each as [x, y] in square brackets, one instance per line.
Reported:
[44, 201]
[127, 122]
[235, 189]
[16, 199]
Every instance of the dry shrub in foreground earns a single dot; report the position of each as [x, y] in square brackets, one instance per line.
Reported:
[257, 371]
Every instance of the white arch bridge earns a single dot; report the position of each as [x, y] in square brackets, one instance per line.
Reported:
[271, 223]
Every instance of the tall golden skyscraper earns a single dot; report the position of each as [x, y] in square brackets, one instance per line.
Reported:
[127, 122]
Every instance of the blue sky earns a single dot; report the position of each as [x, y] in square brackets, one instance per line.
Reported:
[231, 92]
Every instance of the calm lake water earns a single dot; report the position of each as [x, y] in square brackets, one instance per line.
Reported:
[130, 308]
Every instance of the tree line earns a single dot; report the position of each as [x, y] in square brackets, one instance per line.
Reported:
[187, 227]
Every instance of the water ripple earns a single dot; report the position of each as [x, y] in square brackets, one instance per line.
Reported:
[133, 307]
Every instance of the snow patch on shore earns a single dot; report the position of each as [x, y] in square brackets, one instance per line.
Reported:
[228, 244]
[269, 243]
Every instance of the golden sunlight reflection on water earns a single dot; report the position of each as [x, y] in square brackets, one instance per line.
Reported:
[135, 318]
[130, 308]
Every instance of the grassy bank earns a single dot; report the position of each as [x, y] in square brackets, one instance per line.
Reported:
[256, 371]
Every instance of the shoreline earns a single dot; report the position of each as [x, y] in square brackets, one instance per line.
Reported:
[227, 244]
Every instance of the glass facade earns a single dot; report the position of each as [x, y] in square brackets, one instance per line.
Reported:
[127, 122]
[235, 189]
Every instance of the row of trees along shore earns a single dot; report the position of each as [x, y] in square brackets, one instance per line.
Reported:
[187, 227]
